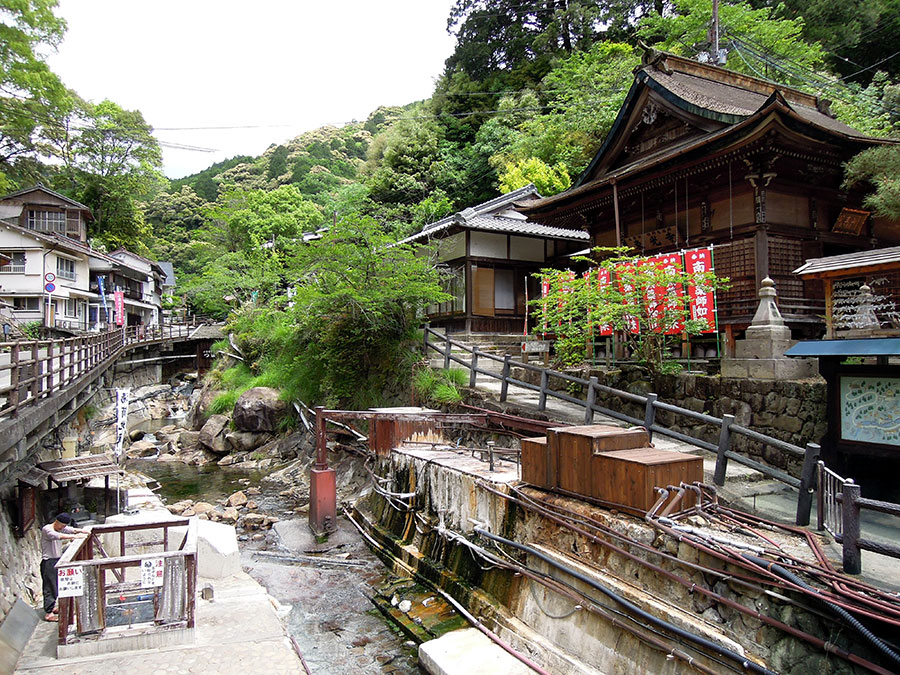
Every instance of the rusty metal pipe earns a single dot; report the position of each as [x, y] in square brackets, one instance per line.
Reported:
[795, 632]
[676, 500]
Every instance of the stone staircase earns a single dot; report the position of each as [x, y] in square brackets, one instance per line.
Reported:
[492, 343]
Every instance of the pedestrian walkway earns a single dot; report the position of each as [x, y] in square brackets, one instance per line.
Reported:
[238, 631]
[745, 488]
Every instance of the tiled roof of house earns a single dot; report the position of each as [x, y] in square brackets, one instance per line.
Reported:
[486, 217]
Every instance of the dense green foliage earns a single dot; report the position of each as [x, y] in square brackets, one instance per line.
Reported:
[528, 96]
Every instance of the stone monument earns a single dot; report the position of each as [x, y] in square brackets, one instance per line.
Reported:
[760, 355]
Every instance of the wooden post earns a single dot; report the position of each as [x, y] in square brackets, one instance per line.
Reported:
[14, 378]
[807, 483]
[545, 381]
[504, 379]
[850, 515]
[591, 399]
[50, 368]
[447, 348]
[473, 374]
[724, 446]
[425, 339]
[650, 414]
[35, 370]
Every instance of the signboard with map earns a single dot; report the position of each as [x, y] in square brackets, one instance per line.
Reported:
[870, 409]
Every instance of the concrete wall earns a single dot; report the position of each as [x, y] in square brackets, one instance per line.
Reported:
[547, 626]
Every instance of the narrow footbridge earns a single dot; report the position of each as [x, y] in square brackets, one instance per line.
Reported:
[43, 383]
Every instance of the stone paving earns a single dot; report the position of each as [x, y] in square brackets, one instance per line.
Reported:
[238, 631]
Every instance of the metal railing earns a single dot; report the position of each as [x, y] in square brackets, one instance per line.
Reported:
[727, 428]
[150, 591]
[32, 370]
[839, 506]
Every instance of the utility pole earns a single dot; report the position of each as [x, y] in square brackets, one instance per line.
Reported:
[715, 27]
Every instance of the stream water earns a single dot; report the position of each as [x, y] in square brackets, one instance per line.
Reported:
[332, 619]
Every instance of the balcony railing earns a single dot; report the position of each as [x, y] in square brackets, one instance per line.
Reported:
[19, 269]
[69, 276]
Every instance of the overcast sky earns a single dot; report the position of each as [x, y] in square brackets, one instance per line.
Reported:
[284, 66]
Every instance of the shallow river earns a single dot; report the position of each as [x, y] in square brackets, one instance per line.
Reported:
[332, 619]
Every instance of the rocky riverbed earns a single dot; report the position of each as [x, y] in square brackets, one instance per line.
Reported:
[237, 470]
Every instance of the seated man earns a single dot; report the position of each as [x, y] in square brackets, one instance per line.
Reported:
[52, 535]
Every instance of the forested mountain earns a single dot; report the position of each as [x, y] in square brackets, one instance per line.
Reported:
[528, 95]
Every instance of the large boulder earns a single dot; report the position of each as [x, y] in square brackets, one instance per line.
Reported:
[196, 416]
[245, 441]
[259, 409]
[213, 433]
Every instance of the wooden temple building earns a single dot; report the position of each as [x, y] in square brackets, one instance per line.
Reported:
[701, 156]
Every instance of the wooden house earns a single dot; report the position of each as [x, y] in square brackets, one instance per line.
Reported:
[490, 252]
[701, 156]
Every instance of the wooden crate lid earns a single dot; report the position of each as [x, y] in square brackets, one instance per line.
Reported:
[540, 440]
[649, 456]
[607, 438]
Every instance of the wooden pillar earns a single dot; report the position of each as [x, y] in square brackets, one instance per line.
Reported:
[761, 246]
[829, 308]
[616, 212]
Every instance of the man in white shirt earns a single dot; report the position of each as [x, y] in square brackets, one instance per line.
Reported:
[52, 535]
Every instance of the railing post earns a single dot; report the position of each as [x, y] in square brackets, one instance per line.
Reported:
[724, 446]
[35, 370]
[425, 339]
[473, 374]
[850, 514]
[820, 495]
[447, 348]
[50, 367]
[807, 483]
[504, 379]
[545, 382]
[591, 399]
[14, 378]
[650, 414]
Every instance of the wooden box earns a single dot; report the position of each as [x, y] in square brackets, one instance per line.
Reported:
[574, 449]
[628, 477]
[535, 460]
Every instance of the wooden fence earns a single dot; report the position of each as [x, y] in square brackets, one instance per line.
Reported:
[105, 591]
[839, 506]
[727, 428]
[32, 370]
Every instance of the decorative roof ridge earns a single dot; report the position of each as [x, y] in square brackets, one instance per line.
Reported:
[668, 63]
[481, 209]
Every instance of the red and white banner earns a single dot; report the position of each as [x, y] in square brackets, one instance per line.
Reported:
[604, 329]
[545, 291]
[625, 275]
[665, 301]
[702, 299]
[119, 300]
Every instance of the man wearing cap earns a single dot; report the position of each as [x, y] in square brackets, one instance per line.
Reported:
[52, 535]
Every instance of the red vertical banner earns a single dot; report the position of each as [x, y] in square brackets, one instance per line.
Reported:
[545, 291]
[664, 301]
[119, 299]
[565, 281]
[702, 299]
[624, 276]
[604, 329]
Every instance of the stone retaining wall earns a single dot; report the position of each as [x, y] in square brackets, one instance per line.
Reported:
[791, 411]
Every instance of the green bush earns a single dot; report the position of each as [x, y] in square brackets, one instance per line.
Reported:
[439, 387]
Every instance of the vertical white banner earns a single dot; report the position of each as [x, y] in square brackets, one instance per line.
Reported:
[121, 417]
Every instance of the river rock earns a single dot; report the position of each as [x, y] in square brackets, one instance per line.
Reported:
[142, 449]
[252, 505]
[213, 433]
[230, 514]
[245, 441]
[180, 507]
[188, 440]
[168, 457]
[259, 409]
[254, 521]
[196, 416]
[203, 507]
[237, 499]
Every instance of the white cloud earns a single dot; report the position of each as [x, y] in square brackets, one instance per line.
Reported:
[282, 66]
